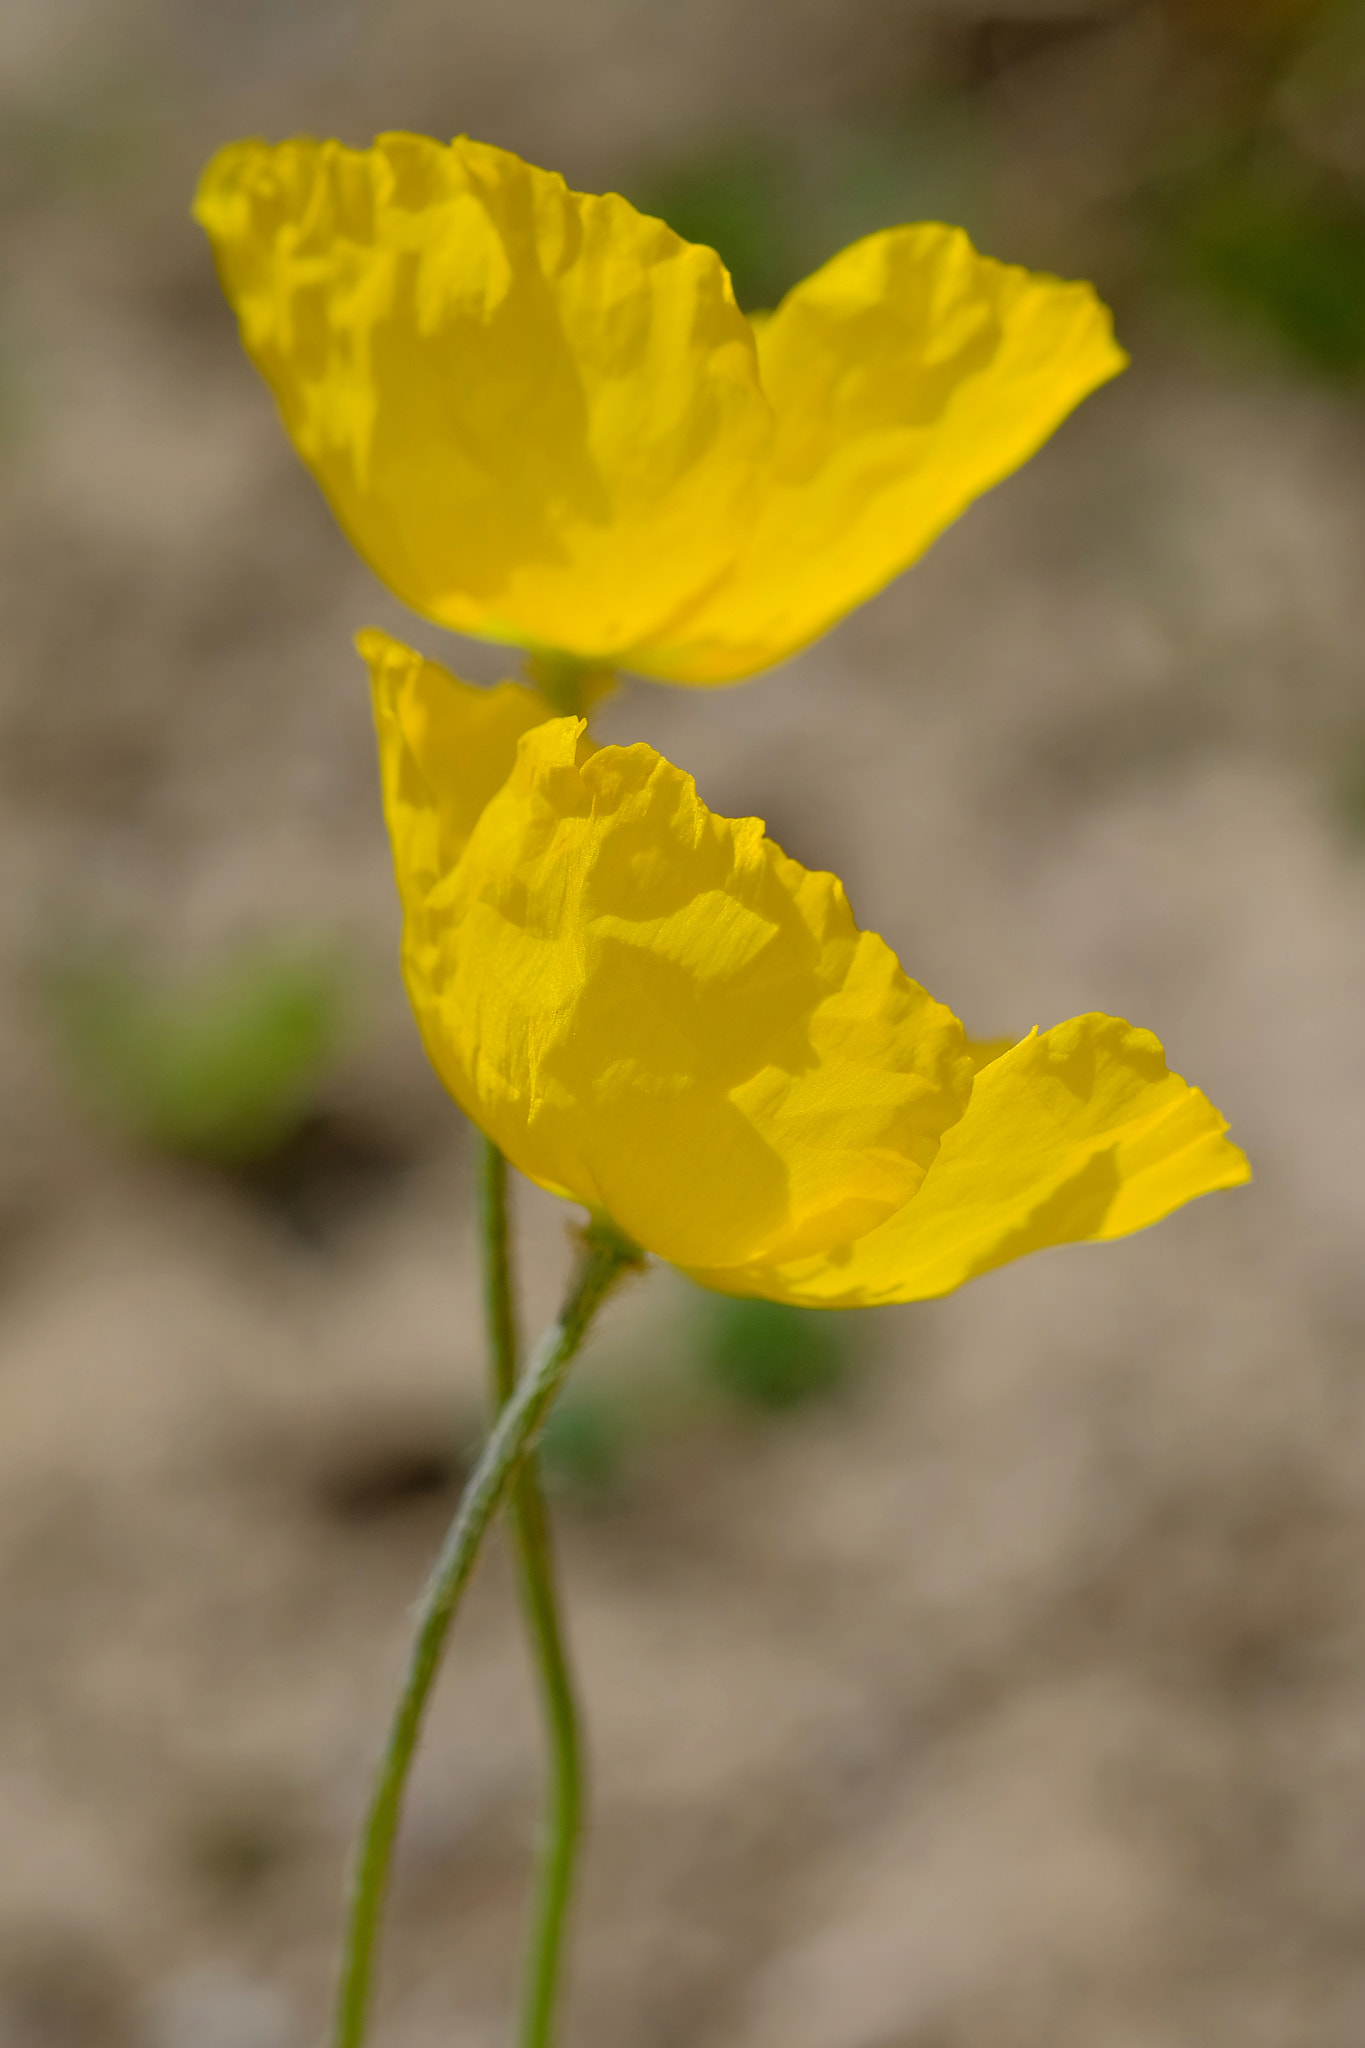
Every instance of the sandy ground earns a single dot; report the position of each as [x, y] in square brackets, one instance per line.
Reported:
[1013, 1696]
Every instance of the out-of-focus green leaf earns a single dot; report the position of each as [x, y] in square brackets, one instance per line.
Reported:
[1350, 794]
[776, 208]
[220, 1066]
[1280, 243]
[767, 1354]
[583, 1445]
[735, 200]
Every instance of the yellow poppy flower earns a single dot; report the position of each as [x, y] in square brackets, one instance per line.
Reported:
[653, 1010]
[542, 418]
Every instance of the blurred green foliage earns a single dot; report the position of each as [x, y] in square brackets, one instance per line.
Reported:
[1350, 794]
[776, 208]
[1260, 204]
[734, 200]
[583, 1447]
[769, 1355]
[219, 1066]
[1251, 186]
[707, 1355]
[1276, 239]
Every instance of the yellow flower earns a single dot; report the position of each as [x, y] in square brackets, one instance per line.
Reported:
[542, 418]
[653, 1010]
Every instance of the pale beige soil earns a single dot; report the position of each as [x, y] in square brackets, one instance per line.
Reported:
[1015, 1698]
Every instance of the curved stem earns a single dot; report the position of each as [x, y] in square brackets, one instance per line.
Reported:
[558, 1846]
[603, 1257]
[535, 1563]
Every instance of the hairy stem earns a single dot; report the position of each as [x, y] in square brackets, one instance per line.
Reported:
[562, 1822]
[604, 1255]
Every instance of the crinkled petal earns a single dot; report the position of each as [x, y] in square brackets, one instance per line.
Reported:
[1078, 1133]
[445, 748]
[907, 376]
[542, 418]
[652, 1009]
[536, 413]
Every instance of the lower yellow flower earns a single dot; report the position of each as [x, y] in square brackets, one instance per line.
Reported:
[653, 1010]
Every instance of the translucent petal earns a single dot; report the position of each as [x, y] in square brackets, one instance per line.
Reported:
[536, 413]
[541, 417]
[1076, 1133]
[654, 1010]
[907, 376]
[445, 748]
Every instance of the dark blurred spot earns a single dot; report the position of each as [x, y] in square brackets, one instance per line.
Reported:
[325, 1175]
[238, 1837]
[995, 47]
[372, 1481]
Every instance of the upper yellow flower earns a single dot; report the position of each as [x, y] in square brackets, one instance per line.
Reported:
[655, 1011]
[542, 418]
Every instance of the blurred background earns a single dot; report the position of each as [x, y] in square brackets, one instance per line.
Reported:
[987, 1674]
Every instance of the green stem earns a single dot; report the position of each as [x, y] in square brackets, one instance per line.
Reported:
[571, 688]
[499, 1315]
[603, 1257]
[535, 1561]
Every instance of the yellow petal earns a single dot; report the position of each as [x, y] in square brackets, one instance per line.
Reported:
[536, 413]
[654, 1010]
[907, 376]
[1078, 1133]
[445, 748]
[984, 1050]
[541, 417]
